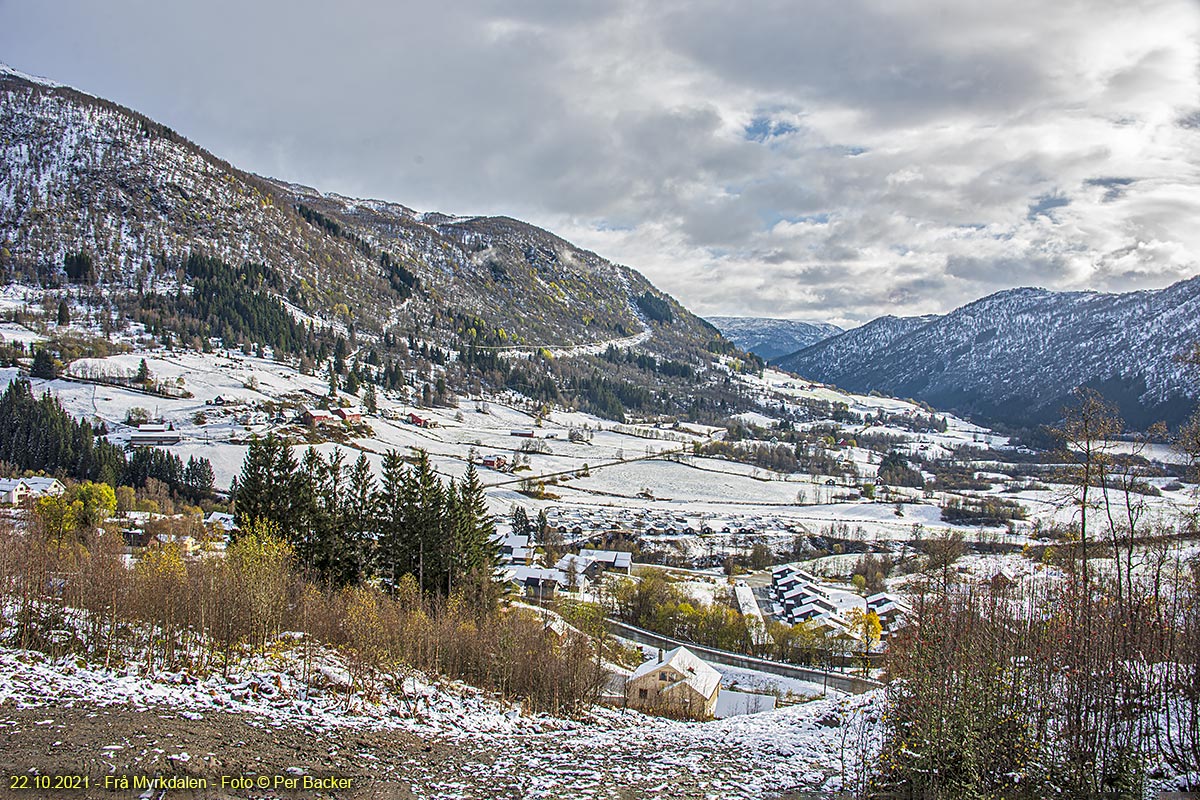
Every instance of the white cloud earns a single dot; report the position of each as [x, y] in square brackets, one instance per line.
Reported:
[901, 158]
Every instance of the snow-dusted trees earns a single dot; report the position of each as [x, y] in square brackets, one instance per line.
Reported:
[1076, 685]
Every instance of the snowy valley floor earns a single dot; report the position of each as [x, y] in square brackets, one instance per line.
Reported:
[62, 718]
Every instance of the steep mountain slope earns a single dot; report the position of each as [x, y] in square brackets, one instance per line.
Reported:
[81, 174]
[838, 354]
[771, 338]
[103, 202]
[1016, 355]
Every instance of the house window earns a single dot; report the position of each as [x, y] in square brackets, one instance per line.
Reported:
[662, 676]
[643, 693]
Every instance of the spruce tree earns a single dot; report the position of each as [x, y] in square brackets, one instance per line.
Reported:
[394, 555]
[520, 522]
[265, 487]
[360, 521]
[429, 534]
[198, 478]
[478, 553]
[369, 400]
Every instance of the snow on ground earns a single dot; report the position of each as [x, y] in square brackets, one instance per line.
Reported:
[12, 333]
[747, 756]
[677, 495]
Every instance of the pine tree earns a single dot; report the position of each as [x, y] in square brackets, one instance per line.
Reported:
[198, 477]
[308, 518]
[478, 553]
[64, 313]
[428, 512]
[330, 546]
[43, 365]
[265, 488]
[360, 522]
[369, 399]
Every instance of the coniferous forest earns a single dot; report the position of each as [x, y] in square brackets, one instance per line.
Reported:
[345, 527]
[36, 434]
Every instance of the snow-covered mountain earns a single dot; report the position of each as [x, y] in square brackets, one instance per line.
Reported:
[771, 338]
[81, 174]
[1016, 355]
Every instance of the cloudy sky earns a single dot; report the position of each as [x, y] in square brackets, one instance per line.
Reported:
[827, 160]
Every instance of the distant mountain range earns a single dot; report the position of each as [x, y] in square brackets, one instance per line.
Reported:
[1015, 356]
[771, 338]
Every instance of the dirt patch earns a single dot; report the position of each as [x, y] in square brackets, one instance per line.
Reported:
[112, 741]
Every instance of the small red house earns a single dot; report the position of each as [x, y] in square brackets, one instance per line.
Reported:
[315, 416]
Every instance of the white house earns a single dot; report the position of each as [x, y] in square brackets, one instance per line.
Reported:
[41, 486]
[226, 521]
[538, 583]
[611, 559]
[14, 491]
[676, 683]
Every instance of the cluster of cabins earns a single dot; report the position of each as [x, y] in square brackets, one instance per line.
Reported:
[15, 491]
[572, 570]
[798, 596]
[587, 523]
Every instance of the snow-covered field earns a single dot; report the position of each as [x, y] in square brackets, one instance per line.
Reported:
[612, 473]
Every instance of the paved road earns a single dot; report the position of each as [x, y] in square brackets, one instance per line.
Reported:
[835, 680]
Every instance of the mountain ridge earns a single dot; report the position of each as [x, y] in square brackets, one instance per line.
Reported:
[772, 337]
[1016, 355]
[86, 179]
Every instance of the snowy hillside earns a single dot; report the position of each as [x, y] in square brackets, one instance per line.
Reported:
[772, 338]
[83, 175]
[440, 740]
[1016, 355]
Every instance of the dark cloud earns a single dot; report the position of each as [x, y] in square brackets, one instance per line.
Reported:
[836, 159]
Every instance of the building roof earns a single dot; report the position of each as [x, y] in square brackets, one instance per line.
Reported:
[618, 559]
[747, 604]
[226, 521]
[523, 574]
[700, 676]
[581, 563]
[42, 484]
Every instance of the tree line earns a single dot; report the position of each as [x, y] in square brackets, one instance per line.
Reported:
[1081, 683]
[38, 435]
[346, 527]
